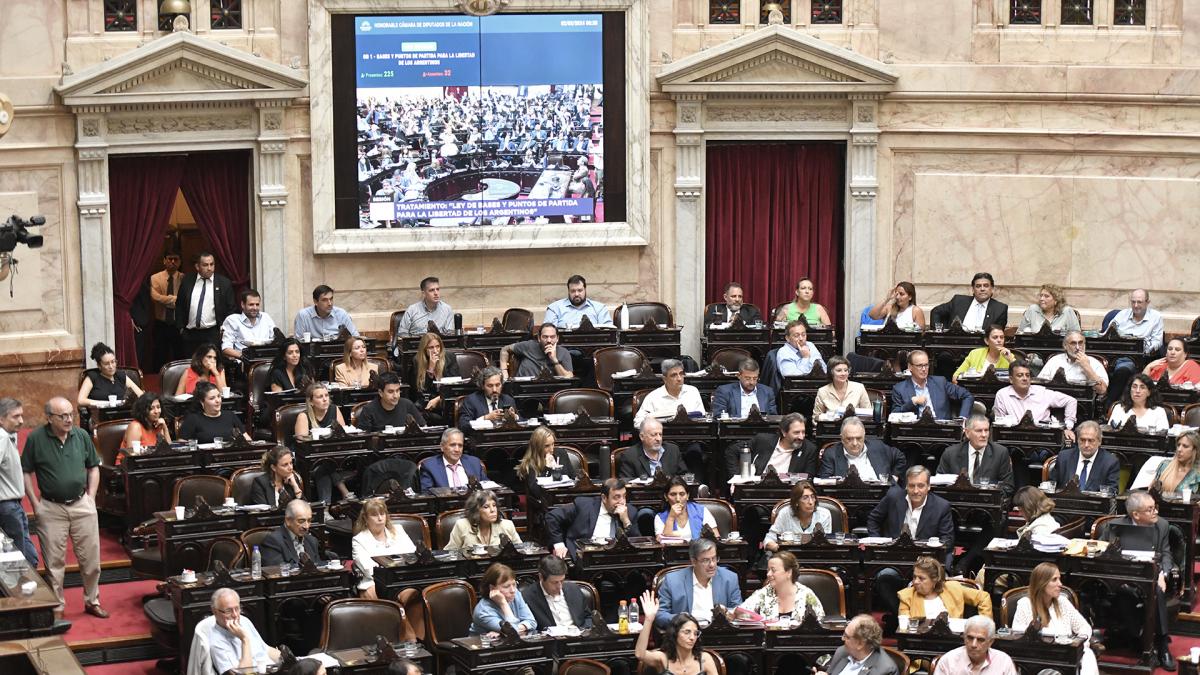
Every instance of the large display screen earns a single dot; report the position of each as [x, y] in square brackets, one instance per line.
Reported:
[479, 121]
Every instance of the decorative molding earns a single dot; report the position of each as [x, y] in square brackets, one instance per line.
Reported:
[482, 7]
[202, 70]
[688, 194]
[93, 155]
[786, 59]
[865, 193]
[836, 113]
[866, 114]
[160, 125]
[90, 127]
[92, 211]
[272, 121]
[273, 203]
[273, 148]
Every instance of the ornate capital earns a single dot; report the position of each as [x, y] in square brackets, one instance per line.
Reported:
[688, 194]
[864, 192]
[273, 203]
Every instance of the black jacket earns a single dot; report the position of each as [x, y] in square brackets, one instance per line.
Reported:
[886, 460]
[577, 520]
[762, 446]
[956, 308]
[262, 492]
[224, 303]
[718, 312]
[887, 518]
[277, 548]
[996, 464]
[577, 604]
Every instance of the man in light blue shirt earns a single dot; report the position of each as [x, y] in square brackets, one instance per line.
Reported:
[1141, 321]
[1137, 321]
[568, 312]
[252, 325]
[430, 307]
[322, 318]
[234, 642]
[798, 356]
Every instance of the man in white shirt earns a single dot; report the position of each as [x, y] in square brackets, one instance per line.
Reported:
[234, 642]
[665, 401]
[710, 584]
[976, 656]
[798, 357]
[12, 481]
[554, 602]
[252, 325]
[1076, 365]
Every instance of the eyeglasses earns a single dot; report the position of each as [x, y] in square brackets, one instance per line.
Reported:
[708, 561]
[918, 365]
[63, 416]
[231, 611]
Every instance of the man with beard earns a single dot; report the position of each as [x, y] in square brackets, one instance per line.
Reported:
[568, 312]
[251, 326]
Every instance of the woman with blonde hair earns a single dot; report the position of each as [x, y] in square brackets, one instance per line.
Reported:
[1181, 471]
[355, 370]
[431, 363]
[319, 411]
[1051, 307]
[482, 524]
[783, 596]
[374, 535]
[542, 458]
[931, 593]
[1036, 508]
[1046, 602]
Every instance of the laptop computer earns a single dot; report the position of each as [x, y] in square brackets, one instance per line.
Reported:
[1135, 537]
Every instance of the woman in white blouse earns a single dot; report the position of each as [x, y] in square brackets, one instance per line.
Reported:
[783, 596]
[900, 306]
[1055, 611]
[840, 392]
[801, 516]
[1140, 400]
[683, 519]
[1036, 507]
[375, 534]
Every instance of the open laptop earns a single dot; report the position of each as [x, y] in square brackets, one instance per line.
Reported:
[1135, 537]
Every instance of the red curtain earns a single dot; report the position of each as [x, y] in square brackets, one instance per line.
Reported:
[217, 188]
[774, 214]
[142, 194]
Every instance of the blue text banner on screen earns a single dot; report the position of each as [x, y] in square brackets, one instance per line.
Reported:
[447, 51]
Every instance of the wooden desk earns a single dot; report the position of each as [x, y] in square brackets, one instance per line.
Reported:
[184, 544]
[39, 655]
[23, 616]
[923, 441]
[469, 655]
[824, 337]
[1030, 653]
[395, 573]
[533, 395]
[587, 338]
[810, 640]
[653, 340]
[754, 339]
[1111, 345]
[888, 341]
[1133, 447]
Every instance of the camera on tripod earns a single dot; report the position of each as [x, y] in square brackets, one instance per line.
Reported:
[15, 231]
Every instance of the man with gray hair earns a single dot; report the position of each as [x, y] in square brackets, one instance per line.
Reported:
[234, 642]
[1142, 511]
[1092, 466]
[290, 540]
[976, 656]
[63, 459]
[1077, 366]
[874, 459]
[489, 403]
[861, 652]
[12, 483]
[664, 401]
[699, 588]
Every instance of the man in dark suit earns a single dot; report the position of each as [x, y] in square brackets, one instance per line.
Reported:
[979, 456]
[205, 299]
[489, 403]
[787, 448]
[588, 517]
[451, 468]
[736, 398]
[1095, 468]
[924, 514]
[976, 311]
[981, 459]
[650, 455]
[923, 391]
[874, 459]
[553, 600]
[723, 312]
[862, 648]
[285, 543]
[1142, 511]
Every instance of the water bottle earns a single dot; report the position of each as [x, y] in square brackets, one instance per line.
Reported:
[877, 411]
[256, 564]
[745, 460]
[458, 323]
[622, 619]
[635, 614]
[623, 321]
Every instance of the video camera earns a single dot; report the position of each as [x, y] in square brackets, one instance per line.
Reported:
[15, 231]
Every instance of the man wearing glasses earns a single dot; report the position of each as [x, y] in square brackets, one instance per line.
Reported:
[234, 642]
[67, 467]
[699, 588]
[1142, 511]
[923, 391]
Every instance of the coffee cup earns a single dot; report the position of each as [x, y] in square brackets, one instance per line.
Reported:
[226, 391]
[230, 502]
[179, 513]
[933, 541]
[735, 535]
[902, 622]
[307, 336]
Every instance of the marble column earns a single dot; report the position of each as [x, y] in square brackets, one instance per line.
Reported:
[272, 195]
[861, 162]
[95, 237]
[689, 221]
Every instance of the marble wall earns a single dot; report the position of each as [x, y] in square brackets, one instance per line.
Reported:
[1054, 153]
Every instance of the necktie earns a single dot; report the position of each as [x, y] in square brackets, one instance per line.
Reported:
[975, 464]
[492, 405]
[299, 547]
[612, 526]
[169, 313]
[1083, 475]
[454, 480]
[200, 305]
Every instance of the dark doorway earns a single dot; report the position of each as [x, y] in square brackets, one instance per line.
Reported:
[774, 214]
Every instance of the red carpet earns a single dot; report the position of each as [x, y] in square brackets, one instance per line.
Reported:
[124, 604]
[131, 668]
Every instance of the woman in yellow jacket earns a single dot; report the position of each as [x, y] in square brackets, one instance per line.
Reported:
[994, 354]
[931, 593]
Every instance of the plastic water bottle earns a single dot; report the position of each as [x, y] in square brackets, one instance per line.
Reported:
[622, 619]
[745, 460]
[256, 564]
[623, 323]
[635, 615]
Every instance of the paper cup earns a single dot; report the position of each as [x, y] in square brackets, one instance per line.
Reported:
[136, 445]
[307, 336]
[230, 501]
[112, 400]
[179, 513]
[902, 622]
[226, 391]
